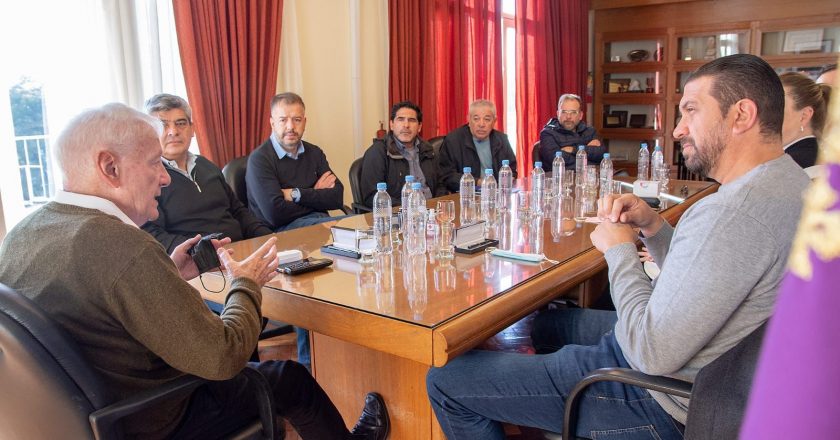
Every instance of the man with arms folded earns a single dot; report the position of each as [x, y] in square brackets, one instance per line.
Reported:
[127, 304]
[566, 132]
[476, 145]
[290, 183]
[721, 269]
[198, 200]
[401, 153]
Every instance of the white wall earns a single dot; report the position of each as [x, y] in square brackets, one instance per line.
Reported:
[334, 54]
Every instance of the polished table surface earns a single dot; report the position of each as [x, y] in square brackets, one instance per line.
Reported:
[422, 310]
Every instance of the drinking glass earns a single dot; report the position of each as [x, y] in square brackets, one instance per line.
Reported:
[366, 243]
[549, 196]
[445, 216]
[568, 182]
[523, 204]
[445, 210]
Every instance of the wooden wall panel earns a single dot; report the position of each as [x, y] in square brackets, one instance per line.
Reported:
[709, 12]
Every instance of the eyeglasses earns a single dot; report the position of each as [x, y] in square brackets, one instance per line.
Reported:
[180, 124]
[569, 112]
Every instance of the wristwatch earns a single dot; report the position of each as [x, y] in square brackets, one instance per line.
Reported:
[296, 195]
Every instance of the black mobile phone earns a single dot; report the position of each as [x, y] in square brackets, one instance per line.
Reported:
[653, 202]
[303, 266]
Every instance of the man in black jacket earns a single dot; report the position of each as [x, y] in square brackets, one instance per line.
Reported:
[565, 132]
[290, 183]
[199, 200]
[476, 145]
[401, 153]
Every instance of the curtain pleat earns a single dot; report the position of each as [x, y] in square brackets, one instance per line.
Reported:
[230, 53]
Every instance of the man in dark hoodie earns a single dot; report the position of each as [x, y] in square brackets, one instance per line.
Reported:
[565, 132]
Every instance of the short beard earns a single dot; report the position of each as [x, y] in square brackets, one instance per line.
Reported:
[705, 159]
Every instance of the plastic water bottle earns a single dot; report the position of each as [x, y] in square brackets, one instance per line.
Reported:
[580, 165]
[656, 161]
[468, 214]
[606, 175]
[415, 241]
[382, 219]
[406, 190]
[537, 187]
[558, 166]
[505, 185]
[644, 162]
[488, 198]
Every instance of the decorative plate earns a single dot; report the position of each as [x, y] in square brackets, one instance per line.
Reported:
[638, 55]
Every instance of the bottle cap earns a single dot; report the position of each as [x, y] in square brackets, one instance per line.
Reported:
[644, 145]
[505, 163]
[381, 186]
[467, 170]
[409, 178]
[606, 155]
[416, 185]
[581, 147]
[558, 154]
[537, 164]
[488, 172]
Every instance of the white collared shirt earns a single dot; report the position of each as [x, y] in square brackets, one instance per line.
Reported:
[190, 165]
[92, 202]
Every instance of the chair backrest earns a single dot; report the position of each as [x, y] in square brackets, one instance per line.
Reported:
[48, 388]
[234, 173]
[436, 142]
[721, 389]
[535, 154]
[355, 181]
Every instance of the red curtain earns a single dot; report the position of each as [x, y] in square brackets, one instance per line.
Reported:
[445, 54]
[551, 47]
[230, 52]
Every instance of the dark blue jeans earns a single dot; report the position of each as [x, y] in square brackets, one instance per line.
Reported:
[473, 393]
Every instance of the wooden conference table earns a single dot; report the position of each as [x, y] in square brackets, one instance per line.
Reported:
[381, 327]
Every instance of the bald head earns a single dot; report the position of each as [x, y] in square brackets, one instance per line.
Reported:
[114, 127]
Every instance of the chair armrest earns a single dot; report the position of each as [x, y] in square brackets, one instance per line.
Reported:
[358, 208]
[103, 421]
[628, 376]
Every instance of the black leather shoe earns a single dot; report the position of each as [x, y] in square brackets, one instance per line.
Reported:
[374, 423]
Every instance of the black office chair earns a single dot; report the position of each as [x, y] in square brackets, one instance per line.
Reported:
[436, 142]
[718, 396]
[49, 390]
[234, 173]
[535, 153]
[358, 206]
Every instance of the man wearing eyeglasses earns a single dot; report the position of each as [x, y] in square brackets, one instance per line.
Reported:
[199, 200]
[565, 132]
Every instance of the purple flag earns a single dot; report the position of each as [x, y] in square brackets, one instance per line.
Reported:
[796, 390]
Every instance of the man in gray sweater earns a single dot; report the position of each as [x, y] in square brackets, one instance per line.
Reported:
[84, 260]
[721, 269]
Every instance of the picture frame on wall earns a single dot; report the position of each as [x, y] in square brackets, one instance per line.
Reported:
[803, 40]
[612, 121]
[638, 121]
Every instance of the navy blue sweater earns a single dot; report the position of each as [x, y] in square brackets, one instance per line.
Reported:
[185, 210]
[267, 176]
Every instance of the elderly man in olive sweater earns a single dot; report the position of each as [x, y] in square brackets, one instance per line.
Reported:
[290, 183]
[84, 260]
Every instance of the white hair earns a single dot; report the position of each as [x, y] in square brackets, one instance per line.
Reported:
[114, 127]
[482, 103]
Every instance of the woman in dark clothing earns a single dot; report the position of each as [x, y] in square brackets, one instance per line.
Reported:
[806, 103]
